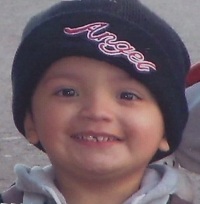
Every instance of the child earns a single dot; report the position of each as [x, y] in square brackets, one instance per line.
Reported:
[99, 86]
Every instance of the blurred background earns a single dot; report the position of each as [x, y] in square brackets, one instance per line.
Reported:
[182, 15]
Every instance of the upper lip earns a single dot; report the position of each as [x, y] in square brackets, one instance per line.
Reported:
[96, 134]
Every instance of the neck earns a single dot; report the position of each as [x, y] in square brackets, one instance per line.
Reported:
[98, 190]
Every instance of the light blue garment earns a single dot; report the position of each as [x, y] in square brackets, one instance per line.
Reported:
[37, 184]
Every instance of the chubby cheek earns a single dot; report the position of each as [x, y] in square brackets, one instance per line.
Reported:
[51, 124]
[144, 130]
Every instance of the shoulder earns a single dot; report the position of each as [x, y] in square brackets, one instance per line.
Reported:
[174, 199]
[11, 195]
[1, 200]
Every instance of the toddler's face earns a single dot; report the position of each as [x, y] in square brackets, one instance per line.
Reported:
[94, 120]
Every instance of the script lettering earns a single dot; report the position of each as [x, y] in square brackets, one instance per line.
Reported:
[109, 44]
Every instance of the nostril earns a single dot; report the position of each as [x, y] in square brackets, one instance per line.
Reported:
[96, 111]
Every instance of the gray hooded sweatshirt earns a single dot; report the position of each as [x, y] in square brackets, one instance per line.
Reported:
[36, 186]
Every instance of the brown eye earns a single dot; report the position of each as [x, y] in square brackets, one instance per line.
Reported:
[128, 96]
[67, 92]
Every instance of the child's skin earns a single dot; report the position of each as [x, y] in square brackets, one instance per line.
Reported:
[81, 100]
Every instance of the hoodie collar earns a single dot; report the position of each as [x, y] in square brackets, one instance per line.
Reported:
[37, 183]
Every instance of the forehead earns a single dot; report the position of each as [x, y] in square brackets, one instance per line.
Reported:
[82, 66]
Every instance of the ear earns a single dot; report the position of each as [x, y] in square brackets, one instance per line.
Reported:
[30, 131]
[164, 146]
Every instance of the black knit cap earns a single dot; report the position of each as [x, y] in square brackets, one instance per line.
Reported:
[121, 32]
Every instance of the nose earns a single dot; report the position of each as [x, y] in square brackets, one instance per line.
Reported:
[98, 107]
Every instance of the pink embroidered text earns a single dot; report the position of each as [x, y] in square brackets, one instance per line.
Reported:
[109, 45]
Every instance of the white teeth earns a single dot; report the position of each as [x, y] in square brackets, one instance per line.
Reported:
[91, 138]
[101, 139]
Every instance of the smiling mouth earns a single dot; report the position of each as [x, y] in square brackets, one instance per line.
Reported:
[92, 137]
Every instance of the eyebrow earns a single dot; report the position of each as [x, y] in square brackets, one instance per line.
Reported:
[67, 75]
[62, 75]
